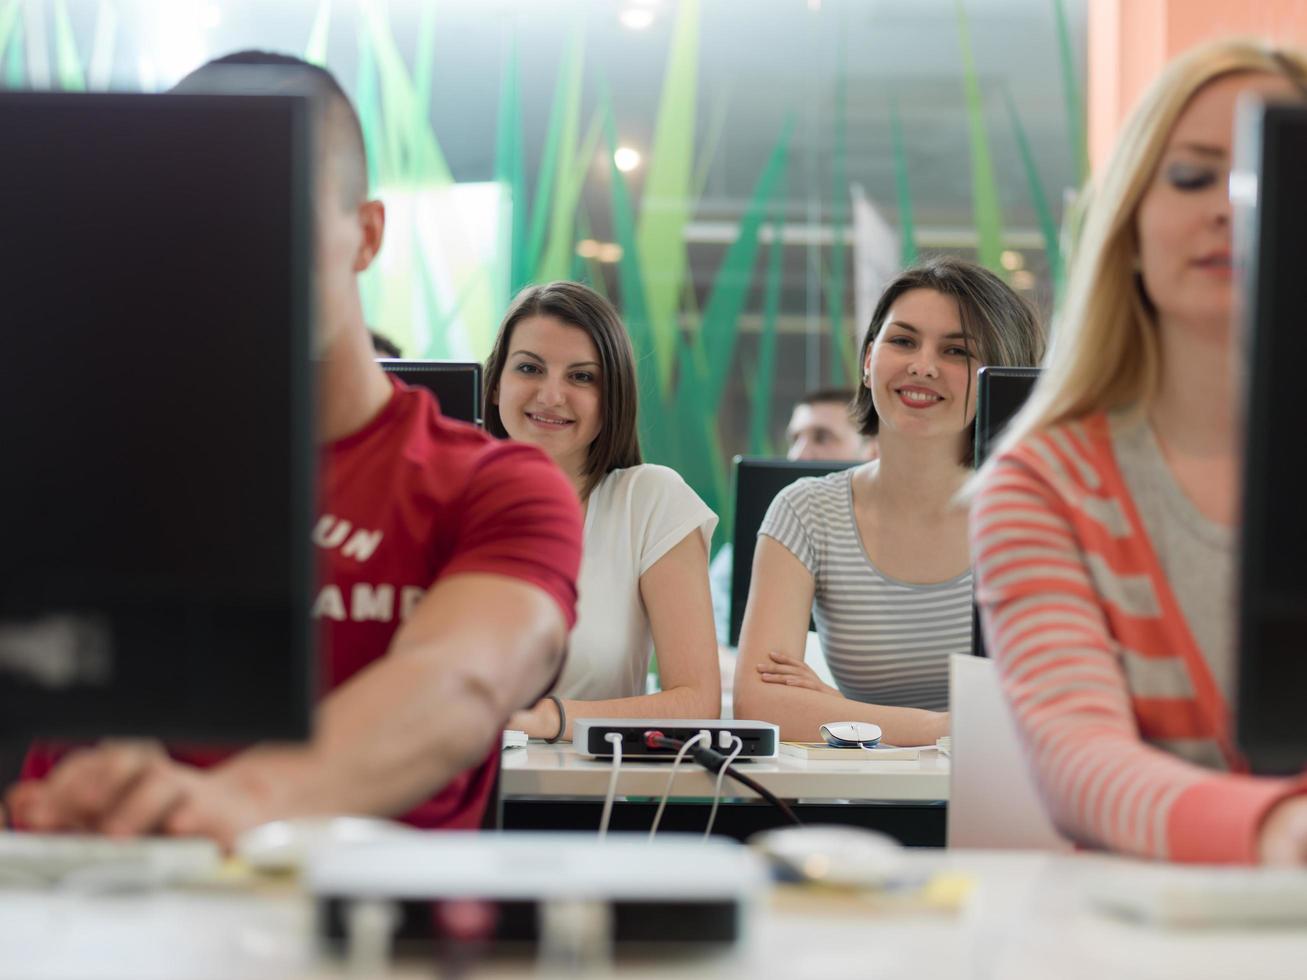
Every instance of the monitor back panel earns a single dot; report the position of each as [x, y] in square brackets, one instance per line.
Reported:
[456, 384]
[1000, 393]
[1272, 254]
[155, 416]
[757, 482]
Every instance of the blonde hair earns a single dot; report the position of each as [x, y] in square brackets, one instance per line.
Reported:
[1104, 353]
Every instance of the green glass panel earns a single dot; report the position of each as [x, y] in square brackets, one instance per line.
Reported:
[510, 167]
[315, 51]
[68, 63]
[984, 187]
[1044, 214]
[665, 208]
[1075, 112]
[902, 186]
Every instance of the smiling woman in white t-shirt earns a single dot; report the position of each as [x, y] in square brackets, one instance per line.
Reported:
[562, 376]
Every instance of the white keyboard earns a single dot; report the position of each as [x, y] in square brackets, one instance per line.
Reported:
[94, 861]
[1175, 895]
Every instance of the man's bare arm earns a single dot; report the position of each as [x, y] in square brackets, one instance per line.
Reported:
[477, 648]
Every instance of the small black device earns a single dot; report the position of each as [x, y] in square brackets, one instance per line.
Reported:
[1000, 393]
[456, 384]
[760, 739]
[757, 482]
[1270, 199]
[156, 419]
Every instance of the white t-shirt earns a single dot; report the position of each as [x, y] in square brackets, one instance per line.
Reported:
[634, 517]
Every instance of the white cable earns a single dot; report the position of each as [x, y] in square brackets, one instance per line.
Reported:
[689, 743]
[614, 739]
[721, 774]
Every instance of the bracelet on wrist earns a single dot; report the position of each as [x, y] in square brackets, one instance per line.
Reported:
[562, 717]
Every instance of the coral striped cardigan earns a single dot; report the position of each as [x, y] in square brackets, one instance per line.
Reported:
[1122, 720]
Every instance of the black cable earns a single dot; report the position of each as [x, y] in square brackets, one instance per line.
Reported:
[713, 762]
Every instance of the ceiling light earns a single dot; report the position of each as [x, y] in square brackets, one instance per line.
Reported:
[626, 158]
[636, 18]
[587, 248]
[1012, 261]
[609, 252]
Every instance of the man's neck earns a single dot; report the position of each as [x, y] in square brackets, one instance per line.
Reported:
[1193, 411]
[352, 388]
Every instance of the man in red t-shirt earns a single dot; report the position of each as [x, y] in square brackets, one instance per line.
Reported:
[447, 587]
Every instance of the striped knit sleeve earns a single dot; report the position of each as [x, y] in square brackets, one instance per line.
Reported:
[785, 523]
[1046, 628]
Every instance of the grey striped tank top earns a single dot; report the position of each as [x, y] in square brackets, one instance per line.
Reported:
[886, 641]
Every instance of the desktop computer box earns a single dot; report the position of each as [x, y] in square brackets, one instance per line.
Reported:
[678, 892]
[590, 737]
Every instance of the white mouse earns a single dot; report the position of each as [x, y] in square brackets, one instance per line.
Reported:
[850, 733]
[284, 845]
[835, 854]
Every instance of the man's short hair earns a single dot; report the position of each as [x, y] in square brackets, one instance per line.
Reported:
[343, 133]
[822, 396]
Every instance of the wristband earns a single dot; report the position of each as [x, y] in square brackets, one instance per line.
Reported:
[562, 717]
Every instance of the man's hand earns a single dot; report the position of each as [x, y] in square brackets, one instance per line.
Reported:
[128, 789]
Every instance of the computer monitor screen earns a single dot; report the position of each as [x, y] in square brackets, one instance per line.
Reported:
[156, 416]
[1271, 254]
[456, 384]
[757, 482]
[1000, 393]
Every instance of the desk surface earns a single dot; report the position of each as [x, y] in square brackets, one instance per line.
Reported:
[1027, 920]
[556, 771]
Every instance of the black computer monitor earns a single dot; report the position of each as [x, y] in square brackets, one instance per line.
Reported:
[156, 424]
[1000, 393]
[456, 384]
[1271, 253]
[757, 482]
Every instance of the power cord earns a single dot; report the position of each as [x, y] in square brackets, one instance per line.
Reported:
[717, 789]
[714, 762]
[615, 740]
[657, 738]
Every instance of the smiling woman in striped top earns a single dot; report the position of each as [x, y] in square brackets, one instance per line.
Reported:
[1103, 529]
[878, 554]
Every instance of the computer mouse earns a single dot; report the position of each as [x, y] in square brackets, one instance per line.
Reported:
[835, 854]
[285, 845]
[848, 734]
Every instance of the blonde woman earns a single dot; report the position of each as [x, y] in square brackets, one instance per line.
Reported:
[1102, 531]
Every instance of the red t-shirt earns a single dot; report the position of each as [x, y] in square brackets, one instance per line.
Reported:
[409, 499]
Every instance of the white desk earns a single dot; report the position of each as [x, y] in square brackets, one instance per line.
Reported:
[556, 771]
[1027, 920]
